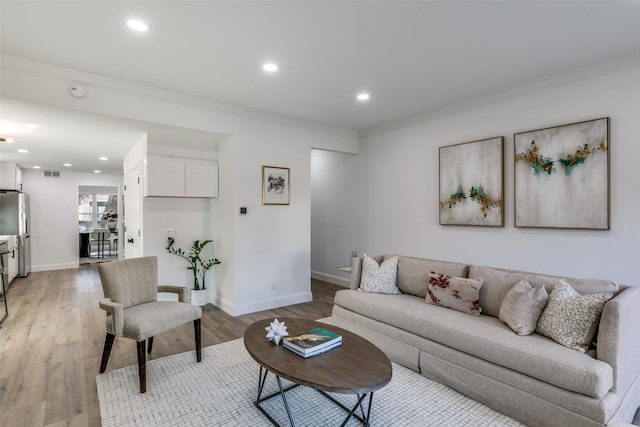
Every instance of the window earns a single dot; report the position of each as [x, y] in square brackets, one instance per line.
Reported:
[92, 208]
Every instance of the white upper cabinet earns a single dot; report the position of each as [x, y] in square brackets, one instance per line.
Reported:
[167, 176]
[201, 180]
[10, 176]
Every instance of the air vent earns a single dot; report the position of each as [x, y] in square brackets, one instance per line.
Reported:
[52, 174]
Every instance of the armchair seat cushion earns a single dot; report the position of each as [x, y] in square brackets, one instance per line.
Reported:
[152, 318]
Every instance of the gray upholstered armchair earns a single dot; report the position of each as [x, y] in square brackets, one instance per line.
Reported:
[131, 288]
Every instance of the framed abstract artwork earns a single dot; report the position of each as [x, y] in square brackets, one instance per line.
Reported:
[472, 183]
[561, 176]
[275, 185]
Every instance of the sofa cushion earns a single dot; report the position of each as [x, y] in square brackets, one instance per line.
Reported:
[413, 273]
[487, 338]
[522, 307]
[454, 292]
[379, 278]
[497, 283]
[572, 319]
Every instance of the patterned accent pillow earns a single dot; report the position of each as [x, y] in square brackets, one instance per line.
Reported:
[572, 319]
[454, 292]
[522, 306]
[379, 278]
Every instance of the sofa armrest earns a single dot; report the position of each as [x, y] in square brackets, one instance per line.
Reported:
[619, 338]
[356, 272]
[116, 312]
[183, 293]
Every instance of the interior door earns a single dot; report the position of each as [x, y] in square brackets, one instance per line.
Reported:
[132, 214]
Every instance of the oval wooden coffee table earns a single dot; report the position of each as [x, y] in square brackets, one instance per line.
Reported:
[355, 367]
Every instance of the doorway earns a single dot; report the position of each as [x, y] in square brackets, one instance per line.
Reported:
[99, 217]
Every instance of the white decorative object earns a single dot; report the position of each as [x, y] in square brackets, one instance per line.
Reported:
[275, 331]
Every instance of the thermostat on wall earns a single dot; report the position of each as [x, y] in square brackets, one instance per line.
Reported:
[243, 211]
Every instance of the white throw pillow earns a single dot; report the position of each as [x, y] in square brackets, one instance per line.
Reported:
[572, 319]
[379, 278]
[522, 306]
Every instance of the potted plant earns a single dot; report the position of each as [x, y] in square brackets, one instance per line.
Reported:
[197, 265]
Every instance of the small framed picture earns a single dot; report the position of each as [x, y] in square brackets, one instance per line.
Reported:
[275, 185]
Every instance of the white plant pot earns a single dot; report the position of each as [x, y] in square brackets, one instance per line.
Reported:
[200, 297]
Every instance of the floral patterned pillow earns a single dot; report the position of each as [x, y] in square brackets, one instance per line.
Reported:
[572, 319]
[454, 292]
[379, 278]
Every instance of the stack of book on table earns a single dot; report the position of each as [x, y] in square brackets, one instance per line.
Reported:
[312, 342]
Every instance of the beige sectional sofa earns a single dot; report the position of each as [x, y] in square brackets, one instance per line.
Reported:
[530, 378]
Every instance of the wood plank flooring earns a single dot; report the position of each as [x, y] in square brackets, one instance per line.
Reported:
[51, 343]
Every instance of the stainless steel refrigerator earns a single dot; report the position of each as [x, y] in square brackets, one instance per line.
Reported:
[14, 221]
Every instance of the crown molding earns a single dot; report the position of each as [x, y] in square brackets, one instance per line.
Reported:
[611, 65]
[70, 76]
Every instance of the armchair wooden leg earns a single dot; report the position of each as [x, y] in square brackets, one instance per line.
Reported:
[196, 328]
[142, 366]
[108, 344]
[149, 345]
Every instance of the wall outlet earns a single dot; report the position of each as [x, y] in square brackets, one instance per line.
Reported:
[169, 231]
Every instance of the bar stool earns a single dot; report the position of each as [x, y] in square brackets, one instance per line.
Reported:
[100, 236]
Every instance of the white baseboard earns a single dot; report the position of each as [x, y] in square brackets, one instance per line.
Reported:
[266, 304]
[49, 267]
[336, 280]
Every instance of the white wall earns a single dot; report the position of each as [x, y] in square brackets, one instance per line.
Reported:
[272, 269]
[191, 220]
[392, 202]
[54, 215]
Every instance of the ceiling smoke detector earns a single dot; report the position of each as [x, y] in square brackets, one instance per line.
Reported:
[77, 91]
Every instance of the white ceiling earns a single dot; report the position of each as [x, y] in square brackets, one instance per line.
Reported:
[413, 57]
[77, 138]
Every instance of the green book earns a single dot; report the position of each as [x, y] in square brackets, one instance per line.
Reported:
[311, 341]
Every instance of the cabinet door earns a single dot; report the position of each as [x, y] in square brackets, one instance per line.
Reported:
[201, 180]
[8, 174]
[164, 178]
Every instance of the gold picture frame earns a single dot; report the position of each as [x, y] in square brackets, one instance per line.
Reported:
[275, 185]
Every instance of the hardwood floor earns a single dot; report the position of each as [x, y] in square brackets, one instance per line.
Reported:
[51, 343]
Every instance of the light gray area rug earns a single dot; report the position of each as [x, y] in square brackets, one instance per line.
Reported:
[220, 390]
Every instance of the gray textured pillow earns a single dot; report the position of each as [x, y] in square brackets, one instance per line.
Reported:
[570, 319]
[454, 292]
[522, 306]
[379, 278]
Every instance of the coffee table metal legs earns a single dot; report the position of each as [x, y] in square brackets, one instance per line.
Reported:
[262, 377]
[261, 380]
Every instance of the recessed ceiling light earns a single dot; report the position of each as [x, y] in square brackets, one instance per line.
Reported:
[7, 140]
[104, 158]
[97, 171]
[67, 165]
[22, 150]
[36, 167]
[31, 126]
[137, 25]
[363, 96]
[270, 67]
